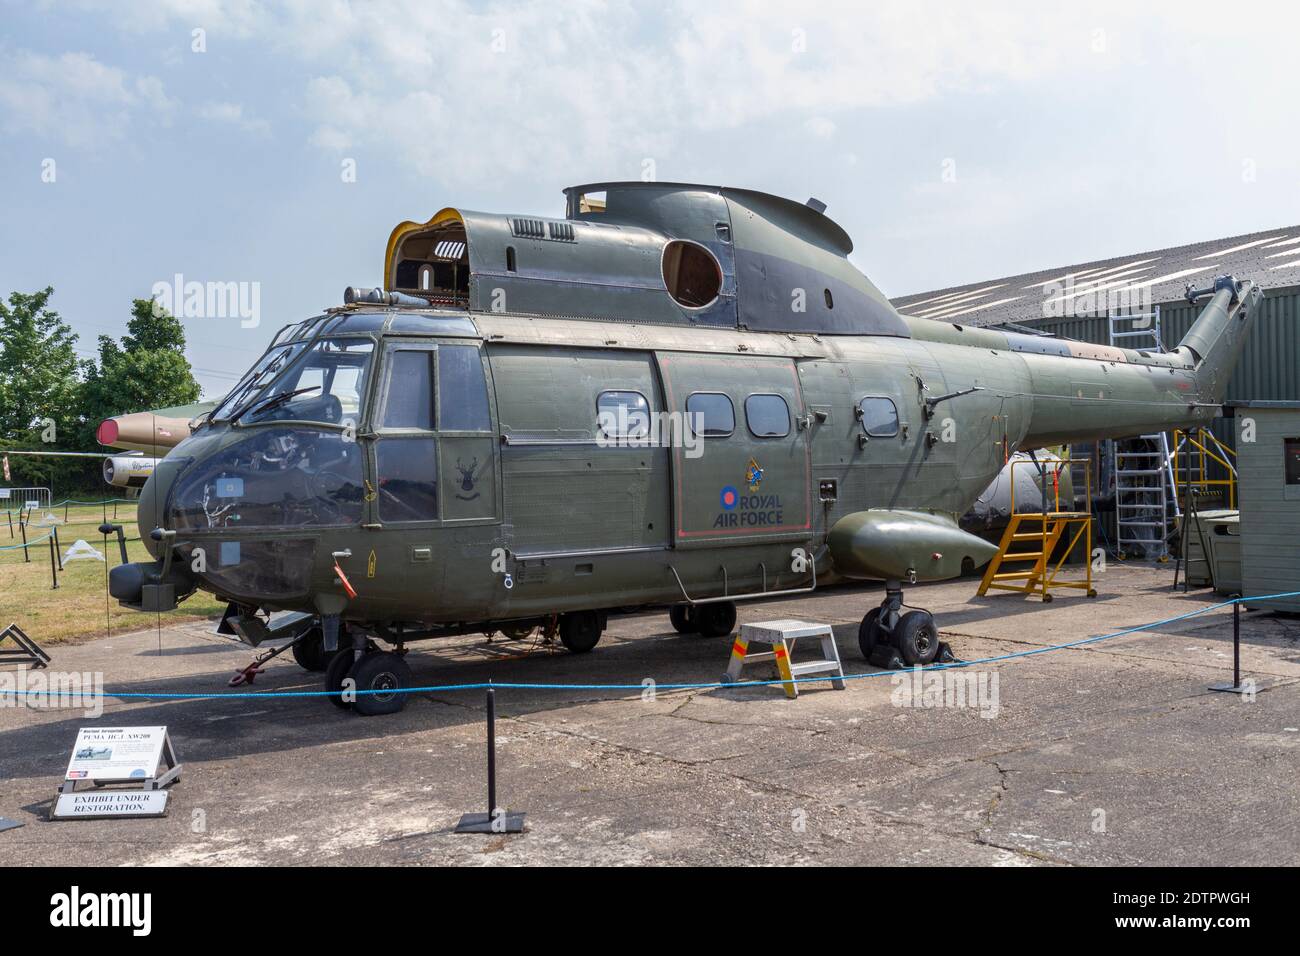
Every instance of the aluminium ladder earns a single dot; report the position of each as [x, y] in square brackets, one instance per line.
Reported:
[1146, 503]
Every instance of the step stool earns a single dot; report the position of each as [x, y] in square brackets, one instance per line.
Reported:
[780, 636]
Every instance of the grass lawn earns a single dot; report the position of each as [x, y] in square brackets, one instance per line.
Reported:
[80, 607]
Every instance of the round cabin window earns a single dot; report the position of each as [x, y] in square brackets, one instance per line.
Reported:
[692, 275]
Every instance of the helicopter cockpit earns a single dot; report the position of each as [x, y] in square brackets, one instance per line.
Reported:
[285, 476]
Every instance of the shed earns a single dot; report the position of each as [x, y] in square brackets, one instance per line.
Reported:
[1268, 466]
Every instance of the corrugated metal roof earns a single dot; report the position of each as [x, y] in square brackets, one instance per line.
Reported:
[1270, 257]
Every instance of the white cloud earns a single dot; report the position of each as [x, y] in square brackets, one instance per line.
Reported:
[594, 86]
[232, 113]
[76, 99]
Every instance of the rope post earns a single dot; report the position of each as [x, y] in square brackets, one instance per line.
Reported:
[58, 548]
[27, 558]
[10, 515]
[1236, 686]
[495, 820]
[54, 571]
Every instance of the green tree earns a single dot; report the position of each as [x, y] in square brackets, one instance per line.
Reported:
[38, 371]
[147, 369]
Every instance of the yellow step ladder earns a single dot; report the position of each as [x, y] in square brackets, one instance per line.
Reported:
[1033, 538]
[1042, 576]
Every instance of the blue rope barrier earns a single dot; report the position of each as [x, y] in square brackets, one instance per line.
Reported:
[704, 685]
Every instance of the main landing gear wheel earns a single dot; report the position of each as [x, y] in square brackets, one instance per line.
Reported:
[892, 639]
[869, 632]
[682, 618]
[715, 620]
[916, 638]
[580, 631]
[386, 675]
[309, 651]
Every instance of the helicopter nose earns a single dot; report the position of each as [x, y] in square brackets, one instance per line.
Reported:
[151, 508]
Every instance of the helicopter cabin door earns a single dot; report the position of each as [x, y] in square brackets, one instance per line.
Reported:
[741, 467]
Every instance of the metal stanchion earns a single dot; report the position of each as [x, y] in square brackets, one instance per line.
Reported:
[27, 558]
[54, 571]
[10, 515]
[495, 820]
[58, 548]
[1236, 686]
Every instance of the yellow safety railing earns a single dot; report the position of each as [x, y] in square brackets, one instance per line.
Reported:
[1043, 576]
[1201, 448]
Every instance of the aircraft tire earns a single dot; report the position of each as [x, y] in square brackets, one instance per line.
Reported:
[335, 673]
[310, 651]
[870, 632]
[683, 618]
[381, 671]
[716, 620]
[580, 631]
[916, 638]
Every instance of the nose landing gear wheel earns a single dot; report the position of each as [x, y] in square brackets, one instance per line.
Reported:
[309, 651]
[335, 673]
[580, 631]
[386, 675]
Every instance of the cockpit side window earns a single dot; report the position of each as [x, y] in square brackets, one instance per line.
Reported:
[406, 453]
[409, 403]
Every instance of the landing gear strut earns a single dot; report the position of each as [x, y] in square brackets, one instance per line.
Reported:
[893, 639]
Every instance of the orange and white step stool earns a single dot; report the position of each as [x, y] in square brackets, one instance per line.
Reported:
[780, 636]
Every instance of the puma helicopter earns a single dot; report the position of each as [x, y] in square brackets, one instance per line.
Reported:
[676, 396]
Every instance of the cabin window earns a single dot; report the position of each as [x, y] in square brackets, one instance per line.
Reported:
[830, 300]
[879, 417]
[462, 389]
[510, 258]
[711, 414]
[408, 479]
[410, 391]
[622, 415]
[691, 274]
[768, 416]
[1292, 451]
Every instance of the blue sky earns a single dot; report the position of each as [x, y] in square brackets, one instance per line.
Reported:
[954, 141]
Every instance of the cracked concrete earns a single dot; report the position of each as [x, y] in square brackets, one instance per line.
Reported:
[1114, 752]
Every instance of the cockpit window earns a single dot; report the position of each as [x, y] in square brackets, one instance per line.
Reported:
[326, 384]
[268, 367]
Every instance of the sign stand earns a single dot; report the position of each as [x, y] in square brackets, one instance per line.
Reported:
[27, 652]
[1236, 687]
[496, 820]
[124, 755]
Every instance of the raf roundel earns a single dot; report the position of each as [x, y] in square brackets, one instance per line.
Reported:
[729, 497]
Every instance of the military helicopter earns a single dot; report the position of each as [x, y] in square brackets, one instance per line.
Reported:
[677, 395]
